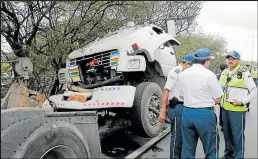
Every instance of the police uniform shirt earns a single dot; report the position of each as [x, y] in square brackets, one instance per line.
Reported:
[172, 82]
[199, 86]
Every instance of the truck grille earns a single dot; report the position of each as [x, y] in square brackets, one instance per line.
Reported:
[103, 58]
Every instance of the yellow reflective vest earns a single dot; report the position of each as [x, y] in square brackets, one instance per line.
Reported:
[254, 72]
[234, 82]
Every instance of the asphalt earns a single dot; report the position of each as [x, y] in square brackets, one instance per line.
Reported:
[161, 150]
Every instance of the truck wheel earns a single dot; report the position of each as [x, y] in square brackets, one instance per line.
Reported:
[146, 109]
[39, 137]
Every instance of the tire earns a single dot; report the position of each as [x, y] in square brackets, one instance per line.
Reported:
[140, 120]
[34, 137]
[160, 80]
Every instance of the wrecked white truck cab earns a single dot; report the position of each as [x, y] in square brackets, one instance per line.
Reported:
[123, 74]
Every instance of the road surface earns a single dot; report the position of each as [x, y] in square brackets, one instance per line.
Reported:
[161, 150]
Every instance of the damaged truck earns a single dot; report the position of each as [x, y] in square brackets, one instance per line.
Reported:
[114, 81]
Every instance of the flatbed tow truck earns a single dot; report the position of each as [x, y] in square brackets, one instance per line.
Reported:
[113, 81]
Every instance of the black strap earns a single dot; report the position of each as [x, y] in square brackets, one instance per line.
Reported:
[180, 102]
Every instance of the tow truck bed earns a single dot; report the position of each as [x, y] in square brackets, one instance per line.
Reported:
[101, 98]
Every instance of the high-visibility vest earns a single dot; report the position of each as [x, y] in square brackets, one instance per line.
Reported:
[254, 72]
[234, 82]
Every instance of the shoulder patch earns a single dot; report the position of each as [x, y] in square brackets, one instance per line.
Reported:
[177, 70]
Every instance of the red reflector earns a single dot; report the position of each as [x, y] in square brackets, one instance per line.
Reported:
[92, 63]
[135, 46]
[96, 62]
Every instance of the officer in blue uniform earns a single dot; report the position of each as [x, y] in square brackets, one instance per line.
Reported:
[172, 93]
[239, 89]
[201, 91]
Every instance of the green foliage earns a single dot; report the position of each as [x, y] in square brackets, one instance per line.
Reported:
[5, 67]
[190, 43]
[41, 64]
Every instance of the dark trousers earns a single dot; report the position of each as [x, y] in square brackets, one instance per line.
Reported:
[199, 123]
[175, 115]
[233, 130]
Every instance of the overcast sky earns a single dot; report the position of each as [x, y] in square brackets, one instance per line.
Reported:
[235, 21]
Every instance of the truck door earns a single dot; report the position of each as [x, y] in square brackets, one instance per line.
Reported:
[165, 54]
[153, 44]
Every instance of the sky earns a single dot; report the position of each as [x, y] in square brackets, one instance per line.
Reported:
[236, 21]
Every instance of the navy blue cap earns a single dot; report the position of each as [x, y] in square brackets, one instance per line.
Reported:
[233, 54]
[189, 58]
[203, 53]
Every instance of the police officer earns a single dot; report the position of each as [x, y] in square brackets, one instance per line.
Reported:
[249, 67]
[172, 92]
[235, 79]
[254, 74]
[201, 91]
[222, 67]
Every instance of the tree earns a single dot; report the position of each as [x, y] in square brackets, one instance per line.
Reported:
[184, 13]
[20, 22]
[190, 43]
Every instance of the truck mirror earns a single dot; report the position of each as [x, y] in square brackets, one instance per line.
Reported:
[171, 27]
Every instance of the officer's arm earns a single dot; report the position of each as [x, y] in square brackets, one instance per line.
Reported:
[251, 86]
[215, 88]
[170, 83]
[164, 100]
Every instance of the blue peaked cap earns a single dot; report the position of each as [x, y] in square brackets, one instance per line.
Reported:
[233, 54]
[203, 53]
[189, 58]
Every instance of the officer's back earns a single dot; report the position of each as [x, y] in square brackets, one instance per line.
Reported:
[197, 82]
[201, 91]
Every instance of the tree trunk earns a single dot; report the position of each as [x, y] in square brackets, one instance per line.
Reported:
[55, 86]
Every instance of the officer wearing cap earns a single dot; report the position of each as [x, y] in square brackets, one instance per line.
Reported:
[201, 91]
[172, 92]
[222, 67]
[237, 83]
[254, 74]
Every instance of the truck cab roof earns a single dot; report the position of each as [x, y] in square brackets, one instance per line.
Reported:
[122, 39]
